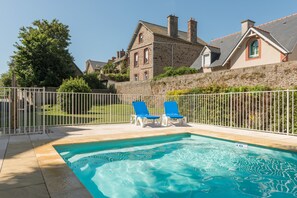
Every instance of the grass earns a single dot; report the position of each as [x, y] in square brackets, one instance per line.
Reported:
[115, 113]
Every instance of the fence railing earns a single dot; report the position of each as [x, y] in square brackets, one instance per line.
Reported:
[31, 110]
[21, 110]
[269, 111]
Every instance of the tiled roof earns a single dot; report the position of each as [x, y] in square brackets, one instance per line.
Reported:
[96, 64]
[282, 32]
[162, 30]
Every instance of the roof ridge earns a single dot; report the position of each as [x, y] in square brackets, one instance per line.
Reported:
[258, 26]
[159, 25]
[277, 19]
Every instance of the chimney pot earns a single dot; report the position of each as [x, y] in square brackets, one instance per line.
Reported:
[172, 27]
[245, 25]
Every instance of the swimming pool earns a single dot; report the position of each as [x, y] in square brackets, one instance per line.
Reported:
[182, 165]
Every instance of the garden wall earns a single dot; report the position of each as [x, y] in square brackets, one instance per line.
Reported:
[281, 75]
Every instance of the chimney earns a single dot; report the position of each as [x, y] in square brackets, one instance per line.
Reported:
[245, 25]
[118, 55]
[192, 30]
[172, 27]
[122, 53]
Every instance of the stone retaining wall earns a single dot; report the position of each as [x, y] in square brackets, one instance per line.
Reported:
[282, 75]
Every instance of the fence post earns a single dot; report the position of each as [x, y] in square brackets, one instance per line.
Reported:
[288, 111]
[231, 106]
[43, 106]
[72, 112]
[109, 107]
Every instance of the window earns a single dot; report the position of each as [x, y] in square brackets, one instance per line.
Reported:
[146, 56]
[140, 38]
[146, 76]
[254, 49]
[136, 59]
[135, 77]
[206, 60]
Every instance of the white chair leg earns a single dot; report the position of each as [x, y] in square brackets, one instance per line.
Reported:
[140, 120]
[165, 121]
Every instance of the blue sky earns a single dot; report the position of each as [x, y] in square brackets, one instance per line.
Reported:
[99, 28]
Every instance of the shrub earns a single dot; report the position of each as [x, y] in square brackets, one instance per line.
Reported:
[171, 71]
[119, 77]
[217, 89]
[93, 81]
[74, 103]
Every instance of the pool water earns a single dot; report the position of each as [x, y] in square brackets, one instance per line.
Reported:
[182, 165]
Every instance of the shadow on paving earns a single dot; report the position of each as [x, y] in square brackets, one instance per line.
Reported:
[22, 176]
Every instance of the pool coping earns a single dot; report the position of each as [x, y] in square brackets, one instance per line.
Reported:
[60, 181]
[58, 161]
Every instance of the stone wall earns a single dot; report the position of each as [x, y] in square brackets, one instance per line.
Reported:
[281, 75]
[138, 47]
[173, 52]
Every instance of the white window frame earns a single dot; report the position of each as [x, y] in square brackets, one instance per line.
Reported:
[204, 63]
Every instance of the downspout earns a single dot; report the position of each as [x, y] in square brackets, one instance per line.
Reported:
[171, 55]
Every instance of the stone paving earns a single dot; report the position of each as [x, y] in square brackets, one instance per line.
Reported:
[30, 166]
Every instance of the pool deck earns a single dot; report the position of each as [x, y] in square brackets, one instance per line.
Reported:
[30, 166]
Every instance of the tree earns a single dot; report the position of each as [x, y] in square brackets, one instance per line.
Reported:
[93, 81]
[5, 79]
[42, 57]
[110, 68]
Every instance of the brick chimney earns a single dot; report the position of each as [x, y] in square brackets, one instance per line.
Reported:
[122, 53]
[192, 30]
[172, 27]
[245, 25]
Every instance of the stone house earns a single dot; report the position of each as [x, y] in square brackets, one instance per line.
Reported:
[121, 60]
[269, 43]
[154, 47]
[94, 66]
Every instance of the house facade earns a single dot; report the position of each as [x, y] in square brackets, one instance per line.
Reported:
[121, 61]
[154, 47]
[94, 66]
[269, 43]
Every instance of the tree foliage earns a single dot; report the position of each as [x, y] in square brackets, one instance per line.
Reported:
[171, 71]
[77, 85]
[110, 68]
[93, 81]
[74, 103]
[5, 79]
[42, 57]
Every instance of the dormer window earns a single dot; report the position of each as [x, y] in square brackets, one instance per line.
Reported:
[254, 49]
[206, 60]
[140, 38]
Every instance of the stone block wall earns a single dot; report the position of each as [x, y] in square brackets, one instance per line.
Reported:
[176, 53]
[281, 75]
[139, 47]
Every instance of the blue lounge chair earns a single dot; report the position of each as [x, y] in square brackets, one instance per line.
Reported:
[171, 112]
[142, 114]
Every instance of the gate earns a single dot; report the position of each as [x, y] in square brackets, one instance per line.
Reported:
[21, 110]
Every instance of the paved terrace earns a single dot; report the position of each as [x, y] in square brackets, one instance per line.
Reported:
[30, 167]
